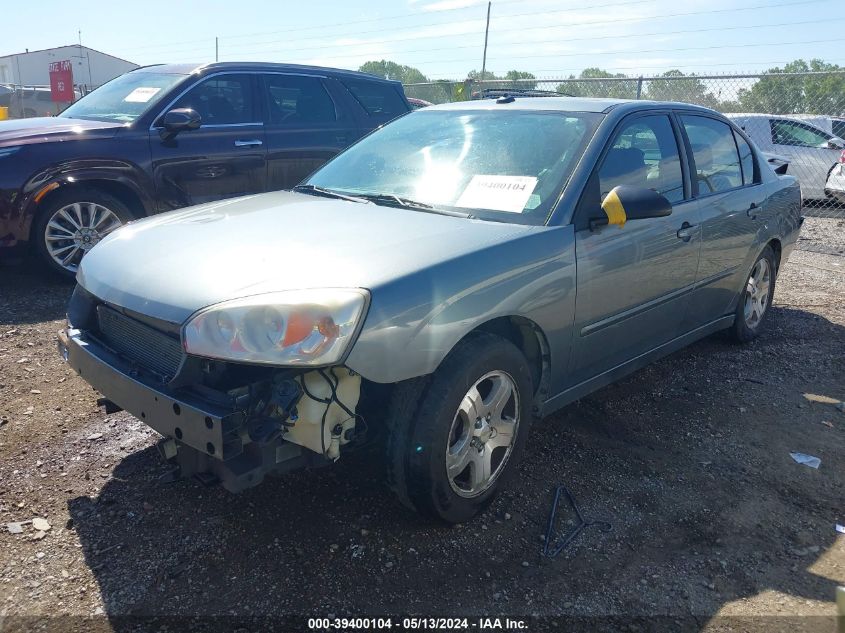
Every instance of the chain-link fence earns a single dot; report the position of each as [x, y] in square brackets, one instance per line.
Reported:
[23, 102]
[803, 125]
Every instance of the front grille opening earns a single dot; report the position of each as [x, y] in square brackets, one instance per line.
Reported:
[150, 349]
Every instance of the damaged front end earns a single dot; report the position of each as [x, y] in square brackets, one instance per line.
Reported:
[222, 421]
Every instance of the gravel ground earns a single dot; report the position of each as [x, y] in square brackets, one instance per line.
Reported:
[689, 460]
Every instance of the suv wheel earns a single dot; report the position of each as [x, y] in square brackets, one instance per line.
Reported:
[72, 223]
[450, 458]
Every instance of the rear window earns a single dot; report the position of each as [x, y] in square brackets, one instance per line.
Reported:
[378, 99]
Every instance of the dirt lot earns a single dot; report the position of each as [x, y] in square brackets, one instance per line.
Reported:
[688, 459]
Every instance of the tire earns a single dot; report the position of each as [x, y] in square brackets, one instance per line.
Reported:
[420, 436]
[68, 235]
[752, 310]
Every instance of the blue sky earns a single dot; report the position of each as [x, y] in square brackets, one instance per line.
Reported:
[444, 38]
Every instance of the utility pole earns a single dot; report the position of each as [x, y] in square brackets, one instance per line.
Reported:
[486, 32]
[216, 49]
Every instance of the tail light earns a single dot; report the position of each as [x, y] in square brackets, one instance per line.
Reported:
[842, 157]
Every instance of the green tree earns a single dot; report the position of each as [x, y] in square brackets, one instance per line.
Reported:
[521, 79]
[601, 83]
[475, 75]
[680, 87]
[804, 94]
[392, 70]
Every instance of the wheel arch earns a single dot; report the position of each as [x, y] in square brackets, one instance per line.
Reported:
[777, 249]
[44, 187]
[530, 339]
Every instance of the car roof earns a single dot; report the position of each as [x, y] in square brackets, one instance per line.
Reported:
[566, 104]
[187, 69]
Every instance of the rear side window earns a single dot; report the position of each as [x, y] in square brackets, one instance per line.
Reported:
[223, 100]
[717, 164]
[785, 132]
[378, 99]
[839, 127]
[746, 160]
[293, 99]
[644, 154]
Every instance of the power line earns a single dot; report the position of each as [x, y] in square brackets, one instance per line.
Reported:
[322, 27]
[546, 26]
[479, 23]
[619, 52]
[606, 37]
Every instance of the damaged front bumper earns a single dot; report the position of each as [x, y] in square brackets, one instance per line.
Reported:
[202, 438]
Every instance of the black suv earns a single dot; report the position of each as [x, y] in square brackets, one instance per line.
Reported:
[168, 136]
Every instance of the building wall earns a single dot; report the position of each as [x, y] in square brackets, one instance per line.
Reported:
[90, 68]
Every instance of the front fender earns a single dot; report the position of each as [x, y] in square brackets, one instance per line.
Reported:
[414, 322]
[79, 172]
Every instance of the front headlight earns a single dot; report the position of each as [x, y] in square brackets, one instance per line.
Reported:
[296, 327]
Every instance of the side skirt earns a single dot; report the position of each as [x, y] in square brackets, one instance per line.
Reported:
[612, 375]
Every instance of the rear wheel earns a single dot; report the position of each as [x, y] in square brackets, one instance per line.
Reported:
[451, 457]
[72, 223]
[755, 299]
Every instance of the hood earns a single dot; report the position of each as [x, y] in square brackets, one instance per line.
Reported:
[171, 265]
[46, 129]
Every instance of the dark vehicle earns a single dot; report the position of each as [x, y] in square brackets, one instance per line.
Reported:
[416, 104]
[169, 136]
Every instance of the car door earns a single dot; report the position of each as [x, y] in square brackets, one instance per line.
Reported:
[225, 157]
[634, 281]
[307, 123]
[807, 149]
[727, 188]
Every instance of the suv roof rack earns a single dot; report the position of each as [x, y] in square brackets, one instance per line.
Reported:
[496, 93]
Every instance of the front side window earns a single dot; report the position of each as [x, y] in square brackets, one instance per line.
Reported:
[644, 154]
[225, 100]
[125, 98]
[377, 99]
[785, 132]
[506, 165]
[717, 164]
[294, 100]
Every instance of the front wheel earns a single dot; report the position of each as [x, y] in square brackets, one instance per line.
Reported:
[71, 223]
[755, 298]
[450, 458]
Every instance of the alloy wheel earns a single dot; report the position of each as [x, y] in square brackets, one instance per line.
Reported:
[76, 228]
[757, 293]
[482, 435]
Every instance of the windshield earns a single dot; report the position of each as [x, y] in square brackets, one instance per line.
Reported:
[123, 99]
[505, 165]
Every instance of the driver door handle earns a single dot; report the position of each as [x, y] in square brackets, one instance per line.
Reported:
[687, 231]
[248, 143]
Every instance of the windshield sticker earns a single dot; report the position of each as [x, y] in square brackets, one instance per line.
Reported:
[141, 95]
[498, 193]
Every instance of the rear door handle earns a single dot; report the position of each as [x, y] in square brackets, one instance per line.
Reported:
[687, 231]
[248, 143]
[752, 211]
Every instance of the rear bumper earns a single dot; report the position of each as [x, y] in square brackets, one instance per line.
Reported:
[836, 183]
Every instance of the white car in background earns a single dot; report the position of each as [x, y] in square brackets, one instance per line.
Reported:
[831, 124]
[835, 187]
[812, 153]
